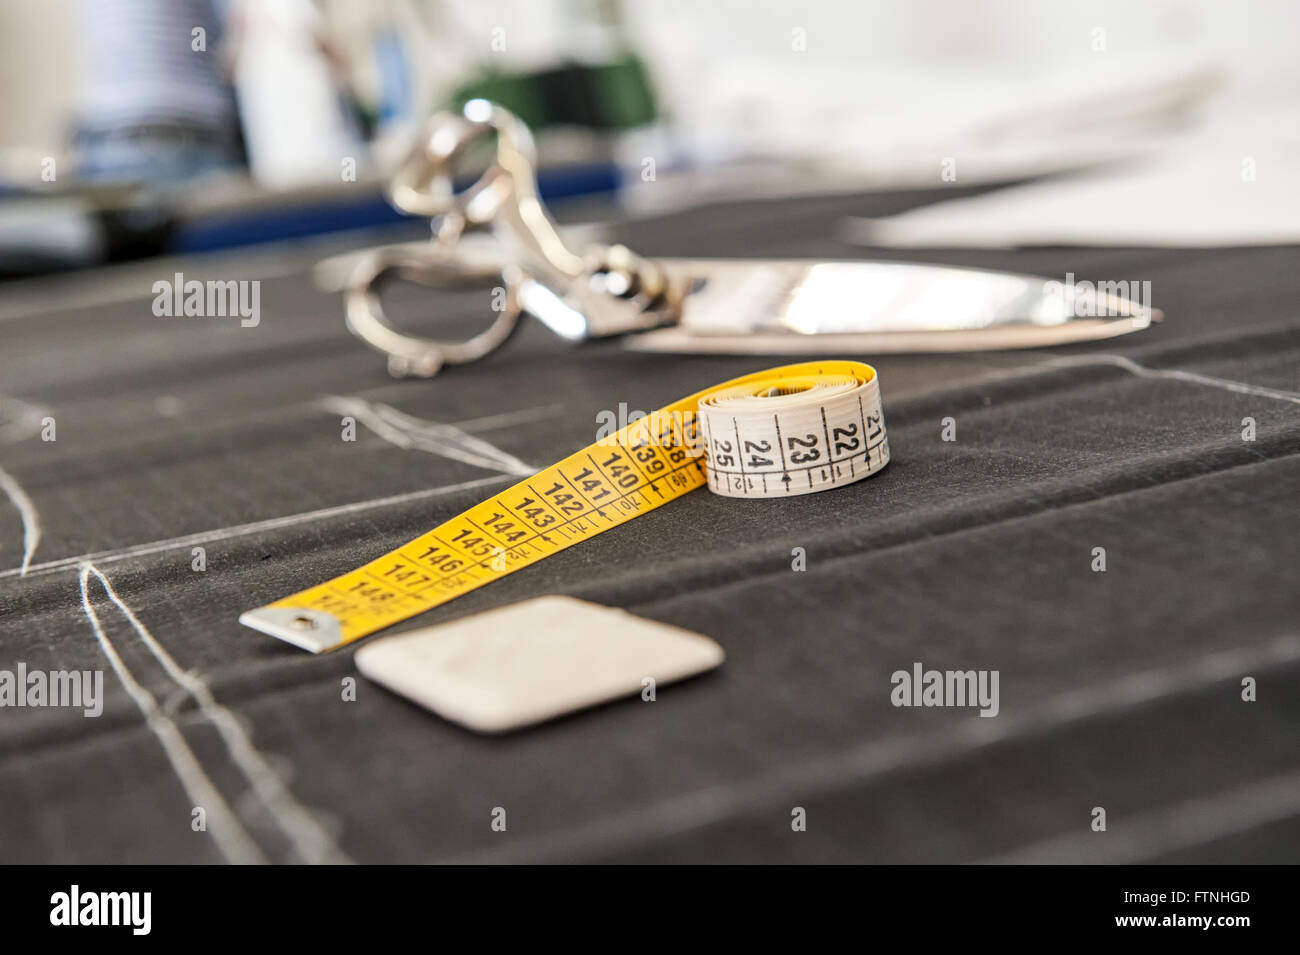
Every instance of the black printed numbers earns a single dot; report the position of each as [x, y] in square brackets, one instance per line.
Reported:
[620, 472]
[796, 443]
[440, 558]
[563, 500]
[534, 513]
[846, 439]
[756, 450]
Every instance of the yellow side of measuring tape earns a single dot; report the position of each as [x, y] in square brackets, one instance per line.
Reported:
[790, 430]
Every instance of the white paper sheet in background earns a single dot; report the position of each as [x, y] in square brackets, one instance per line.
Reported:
[835, 127]
[1231, 183]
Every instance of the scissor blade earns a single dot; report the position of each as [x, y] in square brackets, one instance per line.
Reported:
[782, 306]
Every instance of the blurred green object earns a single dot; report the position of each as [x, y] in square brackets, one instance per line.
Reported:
[606, 96]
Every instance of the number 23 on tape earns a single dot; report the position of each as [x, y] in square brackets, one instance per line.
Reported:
[792, 430]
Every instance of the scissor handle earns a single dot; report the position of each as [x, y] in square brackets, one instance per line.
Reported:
[410, 356]
[423, 183]
[504, 197]
[606, 291]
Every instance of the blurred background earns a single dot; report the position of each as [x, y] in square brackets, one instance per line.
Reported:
[140, 127]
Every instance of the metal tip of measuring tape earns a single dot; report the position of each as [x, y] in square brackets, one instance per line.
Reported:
[311, 630]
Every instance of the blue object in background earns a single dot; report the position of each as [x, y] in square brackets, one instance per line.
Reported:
[298, 220]
[396, 94]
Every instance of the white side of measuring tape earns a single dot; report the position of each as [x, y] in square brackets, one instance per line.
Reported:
[798, 437]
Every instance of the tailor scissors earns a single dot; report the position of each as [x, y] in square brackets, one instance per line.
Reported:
[736, 306]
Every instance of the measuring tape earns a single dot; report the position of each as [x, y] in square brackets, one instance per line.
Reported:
[777, 433]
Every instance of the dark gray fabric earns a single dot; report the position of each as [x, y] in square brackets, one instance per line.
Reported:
[1118, 689]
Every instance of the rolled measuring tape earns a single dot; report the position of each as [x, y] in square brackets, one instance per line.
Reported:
[786, 431]
[793, 433]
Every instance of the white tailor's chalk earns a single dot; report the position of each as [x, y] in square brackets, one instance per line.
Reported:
[533, 661]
